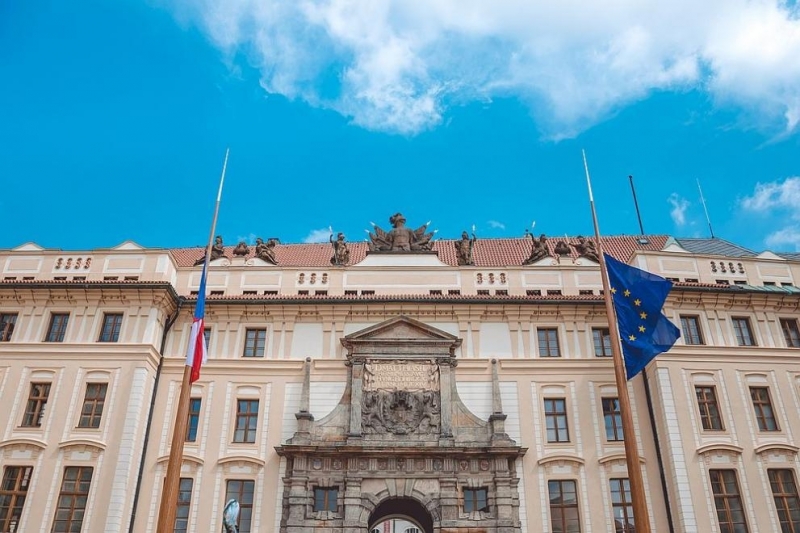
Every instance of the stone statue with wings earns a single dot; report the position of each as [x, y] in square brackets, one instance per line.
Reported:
[400, 238]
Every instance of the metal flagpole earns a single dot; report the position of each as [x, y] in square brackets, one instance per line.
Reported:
[169, 496]
[639, 500]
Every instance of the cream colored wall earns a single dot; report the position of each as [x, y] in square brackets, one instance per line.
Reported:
[295, 331]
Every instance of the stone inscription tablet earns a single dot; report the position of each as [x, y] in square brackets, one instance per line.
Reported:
[403, 375]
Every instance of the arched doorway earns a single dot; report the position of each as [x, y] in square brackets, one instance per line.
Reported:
[406, 514]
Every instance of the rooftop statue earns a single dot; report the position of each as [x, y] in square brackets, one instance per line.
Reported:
[266, 251]
[400, 238]
[538, 248]
[586, 248]
[341, 254]
[217, 251]
[464, 249]
[241, 249]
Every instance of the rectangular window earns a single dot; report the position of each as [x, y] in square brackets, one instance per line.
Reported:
[622, 505]
[476, 500]
[242, 491]
[555, 414]
[548, 342]
[34, 409]
[690, 326]
[207, 336]
[791, 332]
[7, 322]
[325, 499]
[730, 512]
[57, 328]
[709, 408]
[112, 322]
[246, 421]
[744, 333]
[602, 342]
[254, 342]
[787, 501]
[194, 419]
[184, 505]
[13, 491]
[93, 403]
[564, 514]
[762, 404]
[613, 419]
[72, 499]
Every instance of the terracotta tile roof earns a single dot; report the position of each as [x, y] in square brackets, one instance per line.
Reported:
[491, 253]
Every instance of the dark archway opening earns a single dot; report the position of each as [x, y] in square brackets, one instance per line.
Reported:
[399, 508]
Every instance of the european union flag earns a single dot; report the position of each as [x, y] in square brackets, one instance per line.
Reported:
[638, 298]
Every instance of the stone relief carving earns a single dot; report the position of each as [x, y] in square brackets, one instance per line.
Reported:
[400, 397]
[400, 238]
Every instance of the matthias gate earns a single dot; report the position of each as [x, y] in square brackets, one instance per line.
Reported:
[401, 444]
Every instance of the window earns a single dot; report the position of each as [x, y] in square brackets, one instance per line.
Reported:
[555, 413]
[791, 332]
[194, 419]
[184, 505]
[476, 500]
[207, 337]
[254, 342]
[242, 490]
[730, 512]
[613, 419]
[763, 407]
[787, 501]
[483, 292]
[111, 324]
[533, 292]
[690, 326]
[13, 491]
[57, 328]
[93, 402]
[744, 333]
[325, 499]
[548, 342]
[622, 506]
[7, 321]
[501, 292]
[554, 292]
[602, 342]
[246, 421]
[217, 293]
[564, 513]
[72, 499]
[709, 408]
[34, 410]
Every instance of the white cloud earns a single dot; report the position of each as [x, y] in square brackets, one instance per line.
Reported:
[318, 235]
[249, 239]
[397, 65]
[679, 207]
[775, 194]
[496, 225]
[789, 236]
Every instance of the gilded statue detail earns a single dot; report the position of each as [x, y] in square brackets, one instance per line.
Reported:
[400, 238]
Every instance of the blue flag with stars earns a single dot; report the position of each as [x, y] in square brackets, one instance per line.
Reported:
[638, 298]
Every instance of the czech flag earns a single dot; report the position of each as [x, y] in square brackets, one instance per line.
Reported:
[197, 353]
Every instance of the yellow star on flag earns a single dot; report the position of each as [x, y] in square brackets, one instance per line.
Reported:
[631, 337]
[637, 302]
[627, 293]
[641, 329]
[613, 290]
[643, 315]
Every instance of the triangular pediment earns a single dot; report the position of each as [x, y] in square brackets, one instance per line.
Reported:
[28, 247]
[127, 246]
[401, 327]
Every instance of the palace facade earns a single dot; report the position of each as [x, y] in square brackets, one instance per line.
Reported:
[403, 385]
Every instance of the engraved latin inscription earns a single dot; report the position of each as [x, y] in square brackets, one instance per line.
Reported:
[401, 375]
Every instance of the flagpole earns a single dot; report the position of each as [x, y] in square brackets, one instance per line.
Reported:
[639, 500]
[169, 496]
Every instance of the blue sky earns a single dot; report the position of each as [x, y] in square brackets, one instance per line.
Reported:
[115, 117]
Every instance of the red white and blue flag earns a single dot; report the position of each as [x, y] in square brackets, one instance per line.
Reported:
[197, 353]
